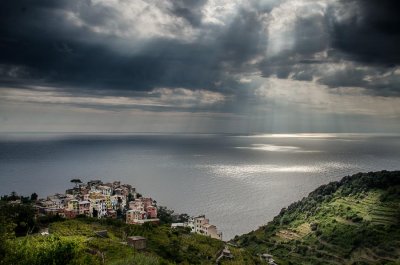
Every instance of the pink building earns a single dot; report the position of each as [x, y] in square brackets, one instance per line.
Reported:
[151, 212]
[147, 202]
[135, 216]
[137, 205]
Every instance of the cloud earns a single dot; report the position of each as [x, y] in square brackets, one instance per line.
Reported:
[203, 56]
[164, 98]
[121, 45]
[296, 27]
[188, 98]
[320, 98]
[134, 21]
[368, 31]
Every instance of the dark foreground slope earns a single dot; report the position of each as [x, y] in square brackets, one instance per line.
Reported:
[353, 221]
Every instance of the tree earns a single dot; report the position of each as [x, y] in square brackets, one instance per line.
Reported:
[6, 232]
[22, 215]
[182, 218]
[119, 213]
[34, 196]
[13, 196]
[76, 181]
[130, 197]
[165, 215]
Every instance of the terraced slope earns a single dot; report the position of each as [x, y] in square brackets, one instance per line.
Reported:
[354, 221]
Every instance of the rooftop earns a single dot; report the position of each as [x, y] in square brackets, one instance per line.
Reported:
[136, 238]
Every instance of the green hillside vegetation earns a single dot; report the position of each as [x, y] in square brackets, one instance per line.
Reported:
[75, 242]
[353, 221]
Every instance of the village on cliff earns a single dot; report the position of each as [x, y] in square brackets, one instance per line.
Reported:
[114, 200]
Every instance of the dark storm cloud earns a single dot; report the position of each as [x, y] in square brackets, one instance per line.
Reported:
[189, 9]
[243, 39]
[82, 47]
[370, 34]
[354, 44]
[36, 37]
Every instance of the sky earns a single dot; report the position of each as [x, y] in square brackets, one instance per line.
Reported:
[205, 66]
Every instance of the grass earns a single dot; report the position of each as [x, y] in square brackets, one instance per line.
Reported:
[164, 245]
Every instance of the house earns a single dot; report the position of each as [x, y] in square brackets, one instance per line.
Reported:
[137, 205]
[151, 212]
[101, 233]
[53, 211]
[84, 208]
[57, 200]
[73, 205]
[211, 231]
[118, 191]
[128, 189]
[118, 202]
[133, 216]
[176, 225]
[147, 202]
[267, 258]
[137, 242]
[105, 190]
[224, 254]
[196, 223]
[201, 225]
[111, 213]
[100, 206]
[139, 217]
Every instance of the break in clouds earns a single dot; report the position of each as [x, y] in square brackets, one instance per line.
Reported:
[246, 62]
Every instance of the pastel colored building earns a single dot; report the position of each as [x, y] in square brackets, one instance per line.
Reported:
[151, 212]
[137, 205]
[84, 208]
[73, 205]
[201, 225]
[134, 216]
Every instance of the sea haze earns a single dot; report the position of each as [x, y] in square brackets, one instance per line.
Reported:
[239, 182]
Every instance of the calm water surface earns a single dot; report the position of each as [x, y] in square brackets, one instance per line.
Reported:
[239, 182]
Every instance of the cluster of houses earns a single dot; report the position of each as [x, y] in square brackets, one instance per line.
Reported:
[141, 210]
[98, 199]
[112, 200]
[200, 225]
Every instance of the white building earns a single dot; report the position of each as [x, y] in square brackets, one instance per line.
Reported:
[105, 190]
[100, 205]
[201, 225]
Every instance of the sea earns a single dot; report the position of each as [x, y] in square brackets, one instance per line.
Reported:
[239, 182]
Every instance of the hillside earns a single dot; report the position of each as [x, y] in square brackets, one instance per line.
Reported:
[353, 221]
[75, 242]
